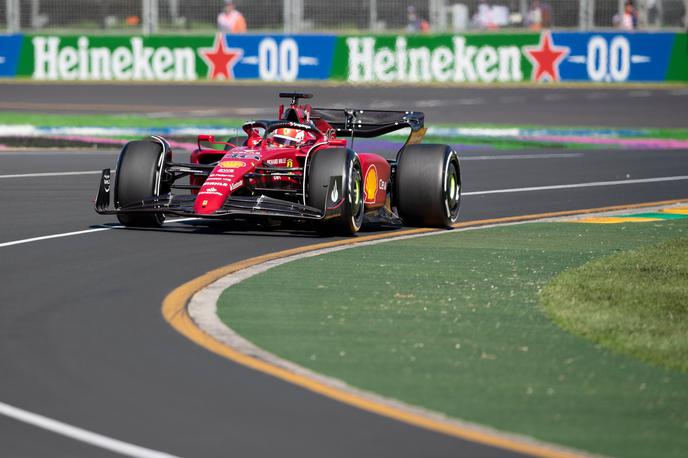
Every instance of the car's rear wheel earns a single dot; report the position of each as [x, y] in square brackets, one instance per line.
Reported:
[347, 198]
[138, 177]
[428, 185]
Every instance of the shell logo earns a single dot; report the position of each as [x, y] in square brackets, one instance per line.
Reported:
[232, 164]
[370, 184]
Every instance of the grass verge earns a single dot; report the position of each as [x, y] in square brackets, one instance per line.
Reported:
[131, 120]
[634, 302]
[137, 121]
[109, 120]
[452, 323]
[150, 122]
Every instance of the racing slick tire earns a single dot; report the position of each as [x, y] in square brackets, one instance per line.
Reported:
[138, 173]
[336, 162]
[428, 185]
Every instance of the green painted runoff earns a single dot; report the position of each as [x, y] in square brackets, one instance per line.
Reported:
[453, 323]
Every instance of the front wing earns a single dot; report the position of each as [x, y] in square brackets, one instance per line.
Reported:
[234, 206]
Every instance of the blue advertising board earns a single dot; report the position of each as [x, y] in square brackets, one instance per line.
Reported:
[283, 57]
[555, 56]
[614, 56]
[10, 46]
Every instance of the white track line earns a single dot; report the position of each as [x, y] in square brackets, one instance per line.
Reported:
[86, 231]
[473, 193]
[52, 174]
[577, 185]
[81, 435]
[519, 156]
[57, 236]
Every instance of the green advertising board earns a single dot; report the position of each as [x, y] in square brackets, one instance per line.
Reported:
[434, 58]
[161, 58]
[569, 56]
[678, 65]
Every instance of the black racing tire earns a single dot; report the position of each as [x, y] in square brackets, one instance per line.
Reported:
[427, 186]
[138, 168]
[327, 163]
[239, 140]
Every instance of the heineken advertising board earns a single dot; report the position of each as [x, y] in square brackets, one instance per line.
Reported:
[487, 58]
[445, 58]
[605, 57]
[176, 58]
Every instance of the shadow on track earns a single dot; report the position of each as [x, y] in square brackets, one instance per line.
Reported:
[252, 228]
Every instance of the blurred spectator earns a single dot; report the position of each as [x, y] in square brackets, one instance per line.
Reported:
[652, 12]
[629, 19]
[534, 17]
[231, 20]
[492, 17]
[483, 17]
[546, 10]
[415, 23]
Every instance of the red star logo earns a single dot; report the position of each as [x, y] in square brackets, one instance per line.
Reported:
[221, 59]
[546, 58]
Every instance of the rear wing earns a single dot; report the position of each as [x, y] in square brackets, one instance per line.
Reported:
[371, 123]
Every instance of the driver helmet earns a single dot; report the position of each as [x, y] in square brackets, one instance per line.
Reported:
[289, 137]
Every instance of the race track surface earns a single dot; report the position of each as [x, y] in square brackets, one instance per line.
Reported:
[542, 105]
[82, 339]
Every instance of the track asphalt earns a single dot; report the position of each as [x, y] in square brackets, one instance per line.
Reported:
[541, 105]
[82, 339]
[84, 342]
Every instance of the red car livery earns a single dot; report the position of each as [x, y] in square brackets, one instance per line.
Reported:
[300, 167]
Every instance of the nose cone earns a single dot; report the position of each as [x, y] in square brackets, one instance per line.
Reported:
[226, 177]
[208, 202]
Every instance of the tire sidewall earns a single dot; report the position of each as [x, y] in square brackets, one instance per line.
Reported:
[343, 162]
[355, 210]
[139, 170]
[421, 191]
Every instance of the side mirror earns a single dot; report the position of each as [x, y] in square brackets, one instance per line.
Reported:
[206, 138]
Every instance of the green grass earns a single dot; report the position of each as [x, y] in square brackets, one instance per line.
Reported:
[671, 134]
[504, 142]
[137, 121]
[634, 302]
[453, 323]
[108, 120]
[141, 121]
[666, 133]
[46, 119]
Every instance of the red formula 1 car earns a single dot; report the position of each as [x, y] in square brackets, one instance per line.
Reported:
[300, 167]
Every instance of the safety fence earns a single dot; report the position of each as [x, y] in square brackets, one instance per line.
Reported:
[602, 57]
[317, 16]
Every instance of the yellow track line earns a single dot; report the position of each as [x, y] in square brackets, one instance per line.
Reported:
[174, 310]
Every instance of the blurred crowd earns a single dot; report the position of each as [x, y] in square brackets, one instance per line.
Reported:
[292, 16]
[486, 17]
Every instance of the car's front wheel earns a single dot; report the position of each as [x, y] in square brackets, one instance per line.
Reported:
[138, 177]
[346, 198]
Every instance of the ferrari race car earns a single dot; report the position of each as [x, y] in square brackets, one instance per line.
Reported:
[301, 167]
